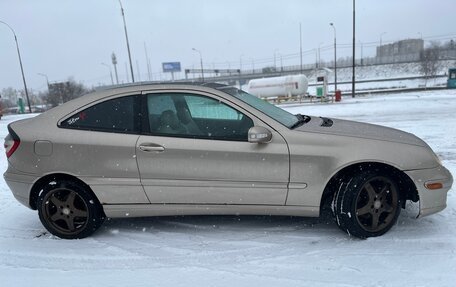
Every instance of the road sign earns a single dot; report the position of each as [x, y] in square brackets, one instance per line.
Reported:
[171, 67]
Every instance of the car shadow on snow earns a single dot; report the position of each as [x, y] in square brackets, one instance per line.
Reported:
[202, 224]
[218, 225]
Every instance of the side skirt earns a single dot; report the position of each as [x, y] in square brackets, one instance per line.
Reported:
[145, 210]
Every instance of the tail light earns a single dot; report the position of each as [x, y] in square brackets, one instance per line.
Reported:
[12, 142]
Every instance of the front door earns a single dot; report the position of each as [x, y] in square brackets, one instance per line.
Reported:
[196, 152]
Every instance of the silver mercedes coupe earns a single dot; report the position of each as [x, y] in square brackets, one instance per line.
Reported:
[200, 149]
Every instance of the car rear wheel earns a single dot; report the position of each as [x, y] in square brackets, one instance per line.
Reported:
[367, 204]
[69, 210]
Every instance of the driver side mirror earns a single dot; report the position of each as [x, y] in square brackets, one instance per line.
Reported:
[259, 135]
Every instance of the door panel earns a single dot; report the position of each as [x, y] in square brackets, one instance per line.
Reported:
[197, 152]
[213, 171]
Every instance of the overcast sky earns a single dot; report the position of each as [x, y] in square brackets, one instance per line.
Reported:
[69, 38]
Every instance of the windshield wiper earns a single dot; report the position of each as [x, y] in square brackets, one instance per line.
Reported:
[302, 119]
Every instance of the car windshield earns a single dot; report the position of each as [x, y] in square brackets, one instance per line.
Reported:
[285, 118]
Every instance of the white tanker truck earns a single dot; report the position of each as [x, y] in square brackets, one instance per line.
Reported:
[288, 86]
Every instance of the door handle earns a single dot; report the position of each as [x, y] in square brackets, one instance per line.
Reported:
[151, 148]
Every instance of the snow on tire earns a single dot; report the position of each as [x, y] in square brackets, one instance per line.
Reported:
[367, 204]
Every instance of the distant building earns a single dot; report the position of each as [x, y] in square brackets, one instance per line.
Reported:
[403, 47]
[404, 50]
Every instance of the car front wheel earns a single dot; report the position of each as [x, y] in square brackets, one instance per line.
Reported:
[69, 210]
[367, 204]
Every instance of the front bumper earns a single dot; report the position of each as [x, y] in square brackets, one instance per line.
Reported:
[431, 201]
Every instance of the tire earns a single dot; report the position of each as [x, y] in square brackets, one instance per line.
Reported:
[68, 210]
[367, 204]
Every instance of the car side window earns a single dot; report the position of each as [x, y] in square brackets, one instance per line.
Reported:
[196, 116]
[116, 115]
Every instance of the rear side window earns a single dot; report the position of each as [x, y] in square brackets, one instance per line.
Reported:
[116, 115]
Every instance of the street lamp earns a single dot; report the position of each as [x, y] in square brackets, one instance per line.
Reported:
[335, 58]
[128, 44]
[381, 35]
[47, 80]
[110, 72]
[319, 61]
[20, 63]
[201, 62]
[275, 65]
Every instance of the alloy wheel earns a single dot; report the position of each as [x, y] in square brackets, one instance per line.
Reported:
[376, 204]
[65, 210]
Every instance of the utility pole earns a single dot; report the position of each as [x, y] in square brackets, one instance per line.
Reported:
[137, 69]
[353, 65]
[319, 59]
[361, 43]
[126, 72]
[22, 68]
[148, 62]
[128, 44]
[240, 61]
[240, 71]
[335, 58]
[275, 62]
[300, 46]
[281, 63]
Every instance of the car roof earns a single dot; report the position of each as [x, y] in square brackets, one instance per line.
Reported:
[105, 92]
[141, 85]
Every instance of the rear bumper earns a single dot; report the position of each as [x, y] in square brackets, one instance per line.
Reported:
[20, 185]
[431, 201]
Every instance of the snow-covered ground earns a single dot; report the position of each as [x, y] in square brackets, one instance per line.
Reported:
[386, 71]
[393, 84]
[251, 250]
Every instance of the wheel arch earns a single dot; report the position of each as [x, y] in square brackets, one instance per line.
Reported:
[39, 184]
[407, 188]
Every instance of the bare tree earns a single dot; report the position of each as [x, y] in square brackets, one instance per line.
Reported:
[430, 63]
[63, 92]
[9, 94]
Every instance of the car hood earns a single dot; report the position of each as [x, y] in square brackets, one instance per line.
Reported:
[359, 130]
